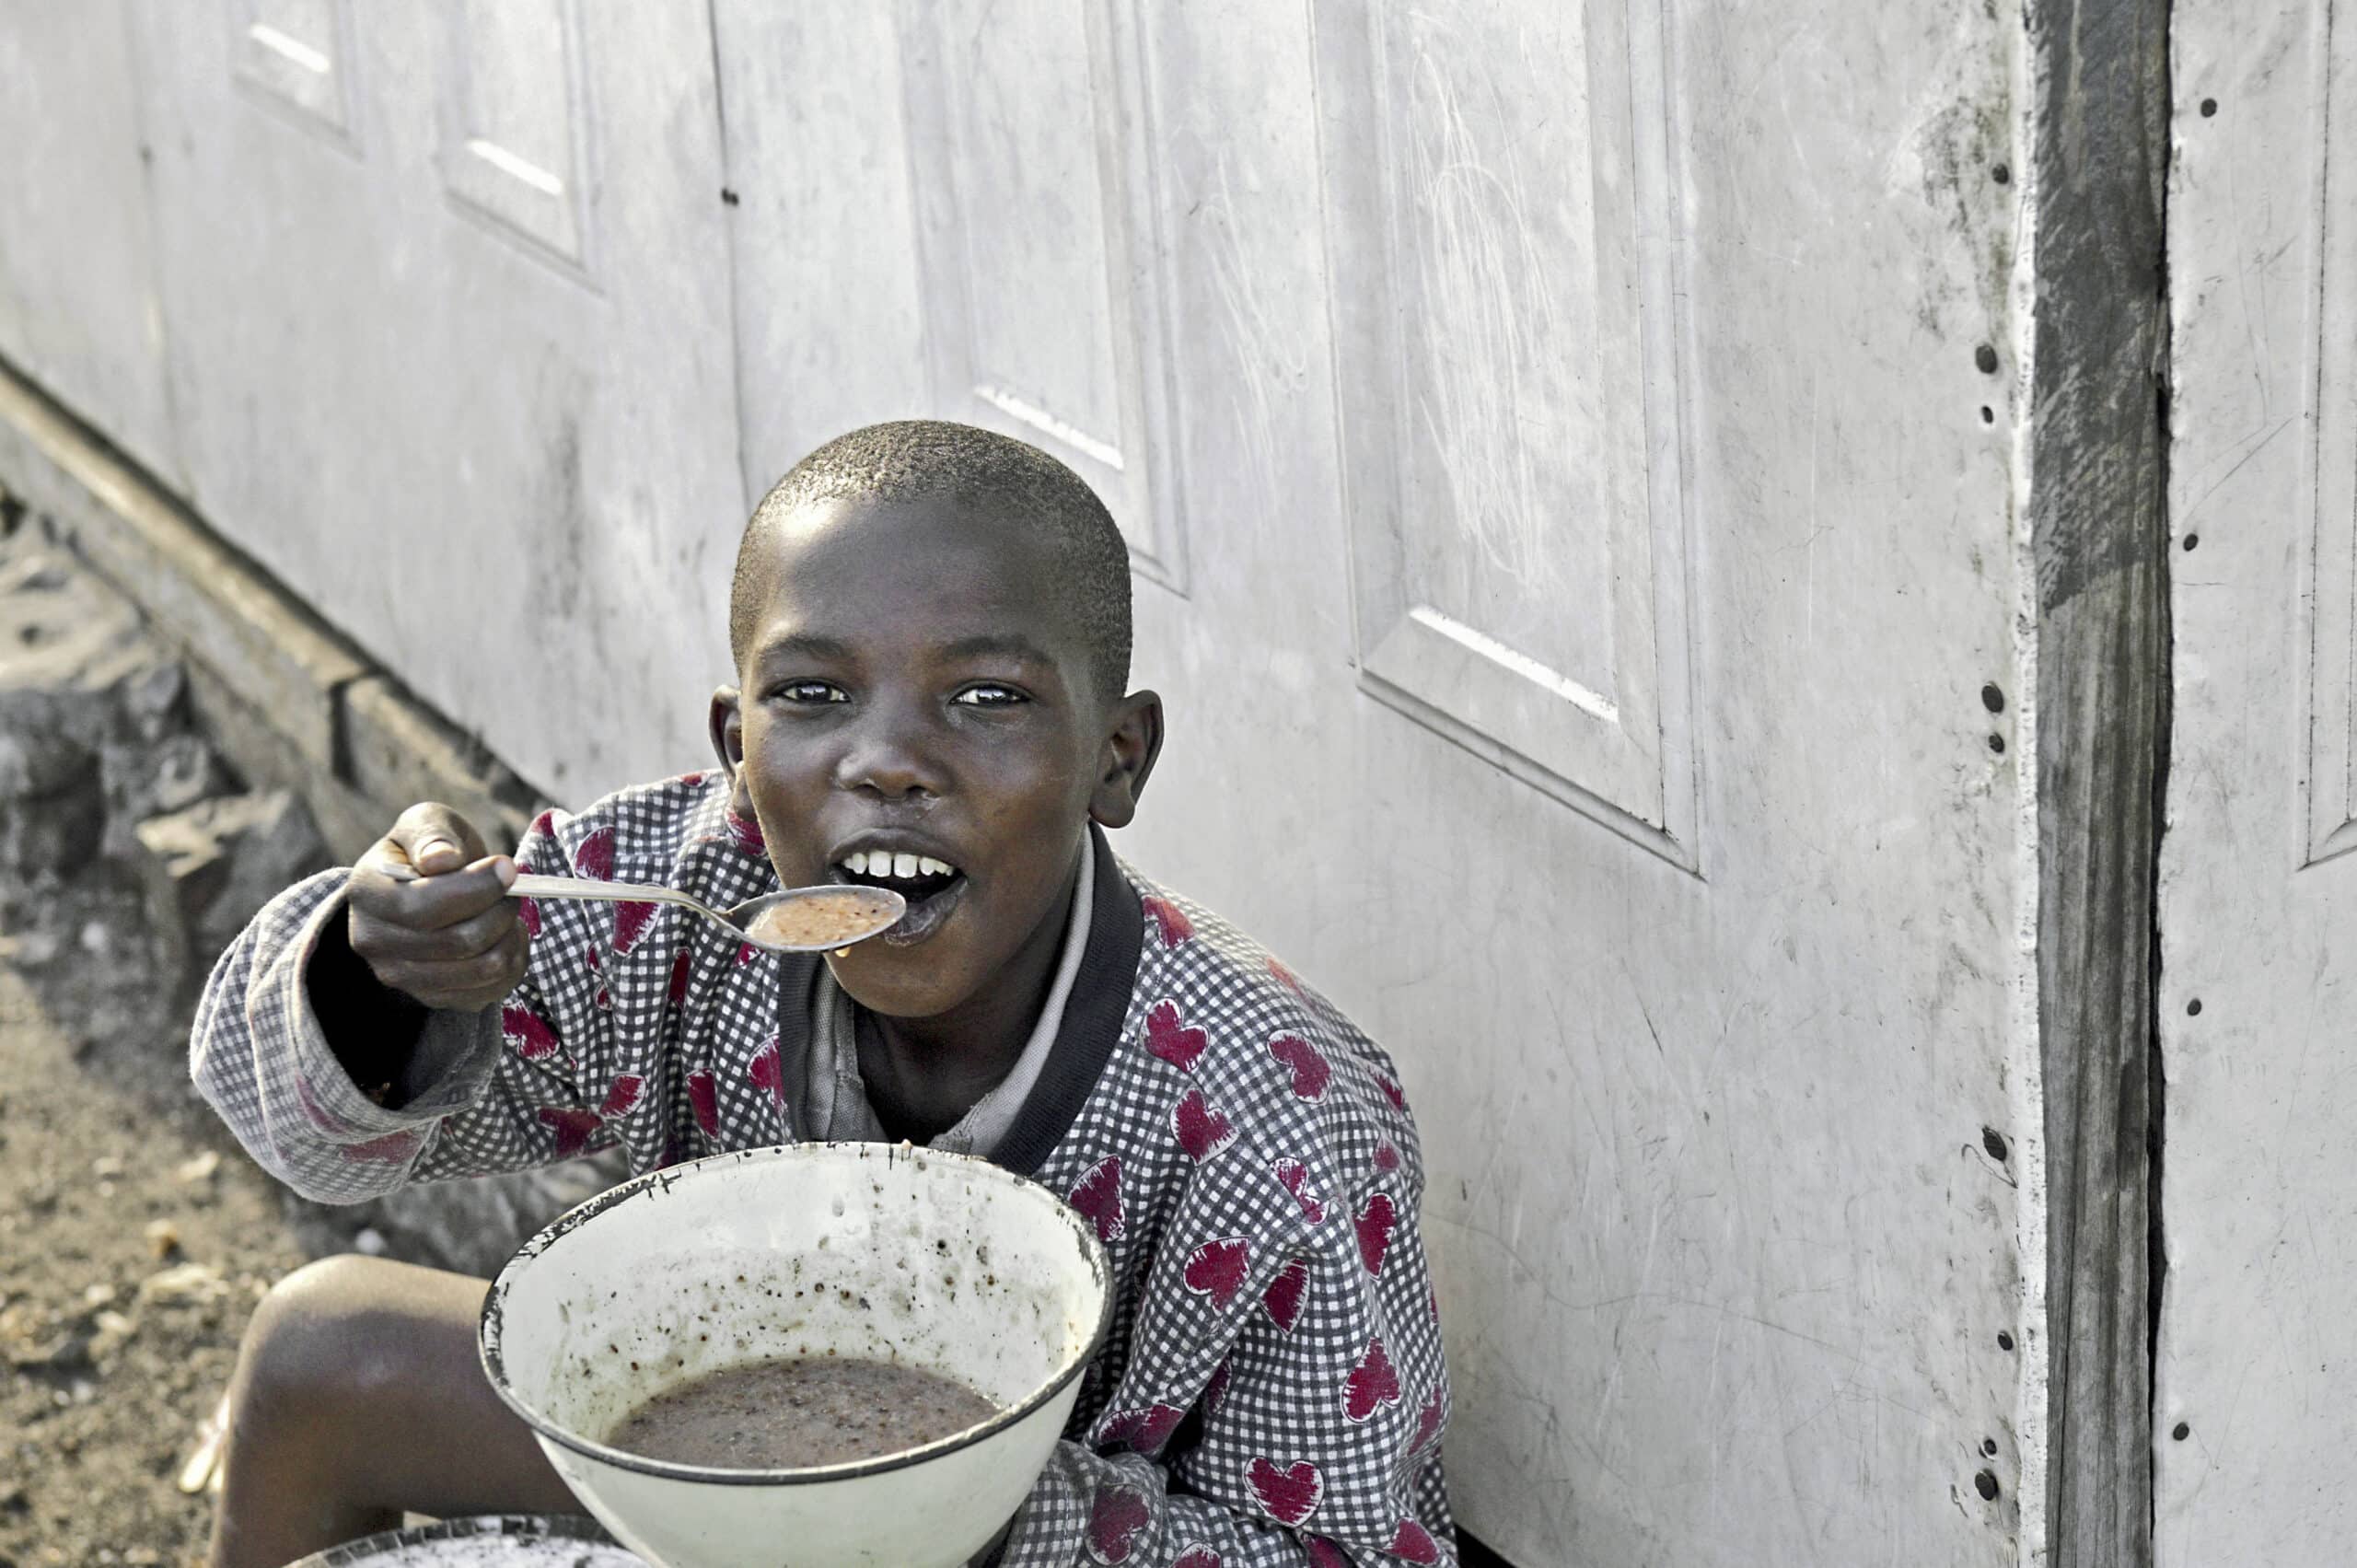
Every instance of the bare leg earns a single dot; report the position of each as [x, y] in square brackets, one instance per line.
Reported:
[358, 1395]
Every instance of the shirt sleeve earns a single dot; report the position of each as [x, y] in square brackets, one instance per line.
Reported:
[1316, 1434]
[509, 1093]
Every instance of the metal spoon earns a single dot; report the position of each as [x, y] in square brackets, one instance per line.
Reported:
[853, 913]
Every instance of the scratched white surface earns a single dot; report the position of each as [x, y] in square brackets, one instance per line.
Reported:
[1723, 1258]
[2257, 1355]
[498, 450]
[78, 302]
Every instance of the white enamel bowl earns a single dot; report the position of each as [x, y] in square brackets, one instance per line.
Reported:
[868, 1250]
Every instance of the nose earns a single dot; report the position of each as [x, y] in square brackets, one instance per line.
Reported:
[889, 752]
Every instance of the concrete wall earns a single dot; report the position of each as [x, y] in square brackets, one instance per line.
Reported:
[1571, 464]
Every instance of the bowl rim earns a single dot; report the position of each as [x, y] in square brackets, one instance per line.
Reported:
[490, 1325]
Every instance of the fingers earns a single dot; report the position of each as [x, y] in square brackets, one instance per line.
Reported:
[436, 840]
[430, 913]
[463, 984]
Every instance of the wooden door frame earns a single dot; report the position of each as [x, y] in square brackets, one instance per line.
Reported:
[2100, 122]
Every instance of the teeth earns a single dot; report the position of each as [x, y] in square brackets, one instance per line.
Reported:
[886, 863]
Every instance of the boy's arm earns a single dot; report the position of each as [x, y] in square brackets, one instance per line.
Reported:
[1320, 1425]
[345, 1088]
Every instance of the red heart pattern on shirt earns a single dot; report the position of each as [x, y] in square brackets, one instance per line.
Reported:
[528, 912]
[531, 1035]
[1414, 1543]
[1099, 1198]
[1427, 1422]
[1373, 1384]
[1215, 1390]
[393, 1148]
[1114, 1523]
[746, 833]
[679, 989]
[767, 1073]
[630, 918]
[1324, 1553]
[1169, 919]
[1377, 1217]
[1216, 1269]
[593, 856]
[1392, 1092]
[1169, 1039]
[703, 1094]
[623, 1096]
[1283, 1300]
[573, 1127]
[1202, 1131]
[745, 954]
[1310, 1069]
[1293, 1177]
[1143, 1429]
[1387, 1156]
[589, 957]
[1288, 979]
[1289, 1494]
[1197, 1555]
[690, 781]
[315, 1114]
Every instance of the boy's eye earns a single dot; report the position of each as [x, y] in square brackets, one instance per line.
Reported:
[990, 694]
[811, 692]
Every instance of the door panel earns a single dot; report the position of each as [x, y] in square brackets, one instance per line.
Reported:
[79, 308]
[451, 349]
[1722, 1250]
[2257, 1353]
[1032, 145]
[1508, 375]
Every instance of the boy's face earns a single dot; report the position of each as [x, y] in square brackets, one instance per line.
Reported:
[917, 687]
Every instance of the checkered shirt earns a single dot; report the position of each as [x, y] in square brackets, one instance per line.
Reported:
[1273, 1391]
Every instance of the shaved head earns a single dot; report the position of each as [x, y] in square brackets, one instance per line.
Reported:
[976, 470]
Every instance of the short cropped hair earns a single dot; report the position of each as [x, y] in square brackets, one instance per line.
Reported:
[910, 459]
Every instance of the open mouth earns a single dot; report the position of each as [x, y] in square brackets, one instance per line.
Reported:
[931, 887]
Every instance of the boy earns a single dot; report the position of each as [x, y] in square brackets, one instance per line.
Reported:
[931, 630]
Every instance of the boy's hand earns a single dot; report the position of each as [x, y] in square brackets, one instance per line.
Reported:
[431, 916]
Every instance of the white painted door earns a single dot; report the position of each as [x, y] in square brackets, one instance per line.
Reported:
[1574, 535]
[447, 295]
[2258, 1356]
[79, 310]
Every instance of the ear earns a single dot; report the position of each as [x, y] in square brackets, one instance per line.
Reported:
[1128, 760]
[727, 725]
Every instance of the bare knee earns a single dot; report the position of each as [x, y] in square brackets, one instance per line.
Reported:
[339, 1339]
[306, 1349]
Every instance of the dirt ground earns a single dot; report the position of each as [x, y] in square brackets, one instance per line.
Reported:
[135, 1241]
